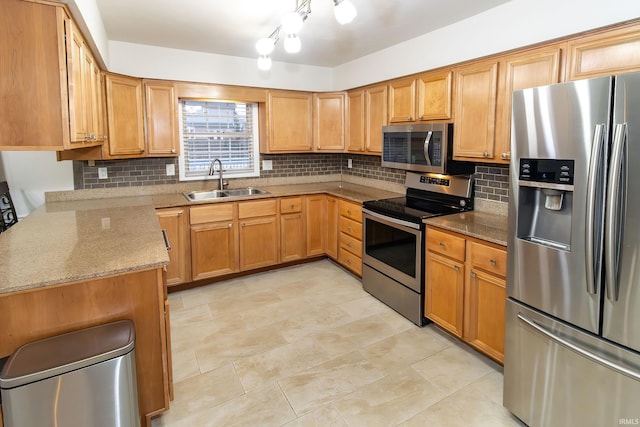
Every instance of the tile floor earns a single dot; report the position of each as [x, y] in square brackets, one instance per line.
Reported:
[306, 346]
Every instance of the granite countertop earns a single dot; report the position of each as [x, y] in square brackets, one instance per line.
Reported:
[70, 238]
[482, 225]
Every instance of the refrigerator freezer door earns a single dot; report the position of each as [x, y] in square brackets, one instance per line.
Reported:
[621, 321]
[559, 122]
[556, 375]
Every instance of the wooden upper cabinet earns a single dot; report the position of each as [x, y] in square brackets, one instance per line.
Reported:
[161, 109]
[608, 52]
[125, 115]
[329, 121]
[402, 100]
[475, 111]
[434, 95]
[289, 122]
[375, 117]
[538, 67]
[356, 120]
[48, 90]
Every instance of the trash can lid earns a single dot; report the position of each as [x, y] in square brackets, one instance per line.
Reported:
[60, 354]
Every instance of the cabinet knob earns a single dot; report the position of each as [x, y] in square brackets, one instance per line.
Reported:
[349, 261]
[473, 274]
[409, 119]
[173, 150]
[421, 118]
[292, 206]
[456, 268]
[243, 225]
[349, 211]
[485, 154]
[492, 262]
[179, 213]
[349, 228]
[230, 225]
[442, 245]
[350, 244]
[141, 150]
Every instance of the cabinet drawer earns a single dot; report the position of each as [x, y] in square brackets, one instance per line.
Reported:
[291, 205]
[211, 213]
[351, 210]
[351, 227]
[488, 258]
[351, 261]
[257, 208]
[445, 244]
[351, 244]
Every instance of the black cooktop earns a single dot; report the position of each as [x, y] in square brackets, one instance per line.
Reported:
[419, 205]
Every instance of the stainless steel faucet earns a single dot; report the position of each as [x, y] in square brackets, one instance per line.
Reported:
[211, 171]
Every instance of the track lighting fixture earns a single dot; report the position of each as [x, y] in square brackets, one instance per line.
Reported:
[292, 22]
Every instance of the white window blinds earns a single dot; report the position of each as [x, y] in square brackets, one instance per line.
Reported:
[224, 130]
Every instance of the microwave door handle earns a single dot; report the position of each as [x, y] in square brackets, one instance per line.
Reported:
[427, 141]
[615, 211]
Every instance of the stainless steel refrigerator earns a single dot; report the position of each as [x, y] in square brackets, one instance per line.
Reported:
[572, 344]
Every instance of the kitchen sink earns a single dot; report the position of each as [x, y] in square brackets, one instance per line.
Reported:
[217, 194]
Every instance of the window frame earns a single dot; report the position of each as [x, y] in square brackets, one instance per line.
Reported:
[227, 173]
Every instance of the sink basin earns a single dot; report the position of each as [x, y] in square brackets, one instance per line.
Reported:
[249, 191]
[217, 194]
[205, 195]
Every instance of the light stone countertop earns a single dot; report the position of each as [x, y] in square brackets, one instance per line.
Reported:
[482, 225]
[80, 239]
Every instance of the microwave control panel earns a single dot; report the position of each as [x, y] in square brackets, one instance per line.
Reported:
[547, 170]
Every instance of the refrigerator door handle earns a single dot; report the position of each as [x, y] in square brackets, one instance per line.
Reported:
[614, 212]
[592, 270]
[581, 351]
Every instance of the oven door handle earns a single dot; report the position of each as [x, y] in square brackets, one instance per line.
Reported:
[391, 219]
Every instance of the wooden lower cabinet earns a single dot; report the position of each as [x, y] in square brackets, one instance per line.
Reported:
[259, 234]
[55, 310]
[444, 292]
[292, 235]
[465, 289]
[315, 209]
[350, 236]
[214, 240]
[331, 248]
[175, 222]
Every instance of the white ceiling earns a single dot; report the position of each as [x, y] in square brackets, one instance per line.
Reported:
[231, 27]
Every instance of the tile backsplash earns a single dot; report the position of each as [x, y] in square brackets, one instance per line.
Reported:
[492, 181]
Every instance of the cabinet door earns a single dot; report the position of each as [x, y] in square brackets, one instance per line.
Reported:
[125, 116]
[356, 133]
[78, 117]
[602, 54]
[214, 249]
[99, 127]
[315, 210]
[162, 119]
[259, 242]
[444, 292]
[402, 100]
[289, 121]
[475, 111]
[434, 95]
[535, 68]
[175, 222]
[329, 121]
[332, 227]
[485, 313]
[376, 117]
[292, 241]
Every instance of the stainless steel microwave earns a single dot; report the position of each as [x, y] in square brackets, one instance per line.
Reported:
[422, 148]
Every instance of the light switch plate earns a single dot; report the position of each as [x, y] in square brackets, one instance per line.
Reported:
[102, 173]
[349, 163]
[171, 169]
[267, 165]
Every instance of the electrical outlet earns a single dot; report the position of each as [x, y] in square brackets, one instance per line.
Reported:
[106, 223]
[267, 165]
[102, 173]
[171, 169]
[349, 163]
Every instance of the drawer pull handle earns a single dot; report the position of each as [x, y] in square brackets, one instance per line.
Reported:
[492, 262]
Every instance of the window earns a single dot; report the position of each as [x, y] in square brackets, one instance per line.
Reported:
[224, 130]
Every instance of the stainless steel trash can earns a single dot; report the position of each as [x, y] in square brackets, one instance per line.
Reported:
[82, 378]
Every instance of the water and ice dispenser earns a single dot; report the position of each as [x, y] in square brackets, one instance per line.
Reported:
[545, 202]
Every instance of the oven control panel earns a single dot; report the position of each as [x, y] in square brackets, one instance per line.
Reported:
[426, 179]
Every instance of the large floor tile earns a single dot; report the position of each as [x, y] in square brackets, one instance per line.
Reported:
[388, 401]
[325, 416]
[328, 381]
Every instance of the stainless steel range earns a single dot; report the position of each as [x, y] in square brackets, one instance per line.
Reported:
[393, 260]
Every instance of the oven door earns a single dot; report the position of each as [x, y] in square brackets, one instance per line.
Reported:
[394, 248]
